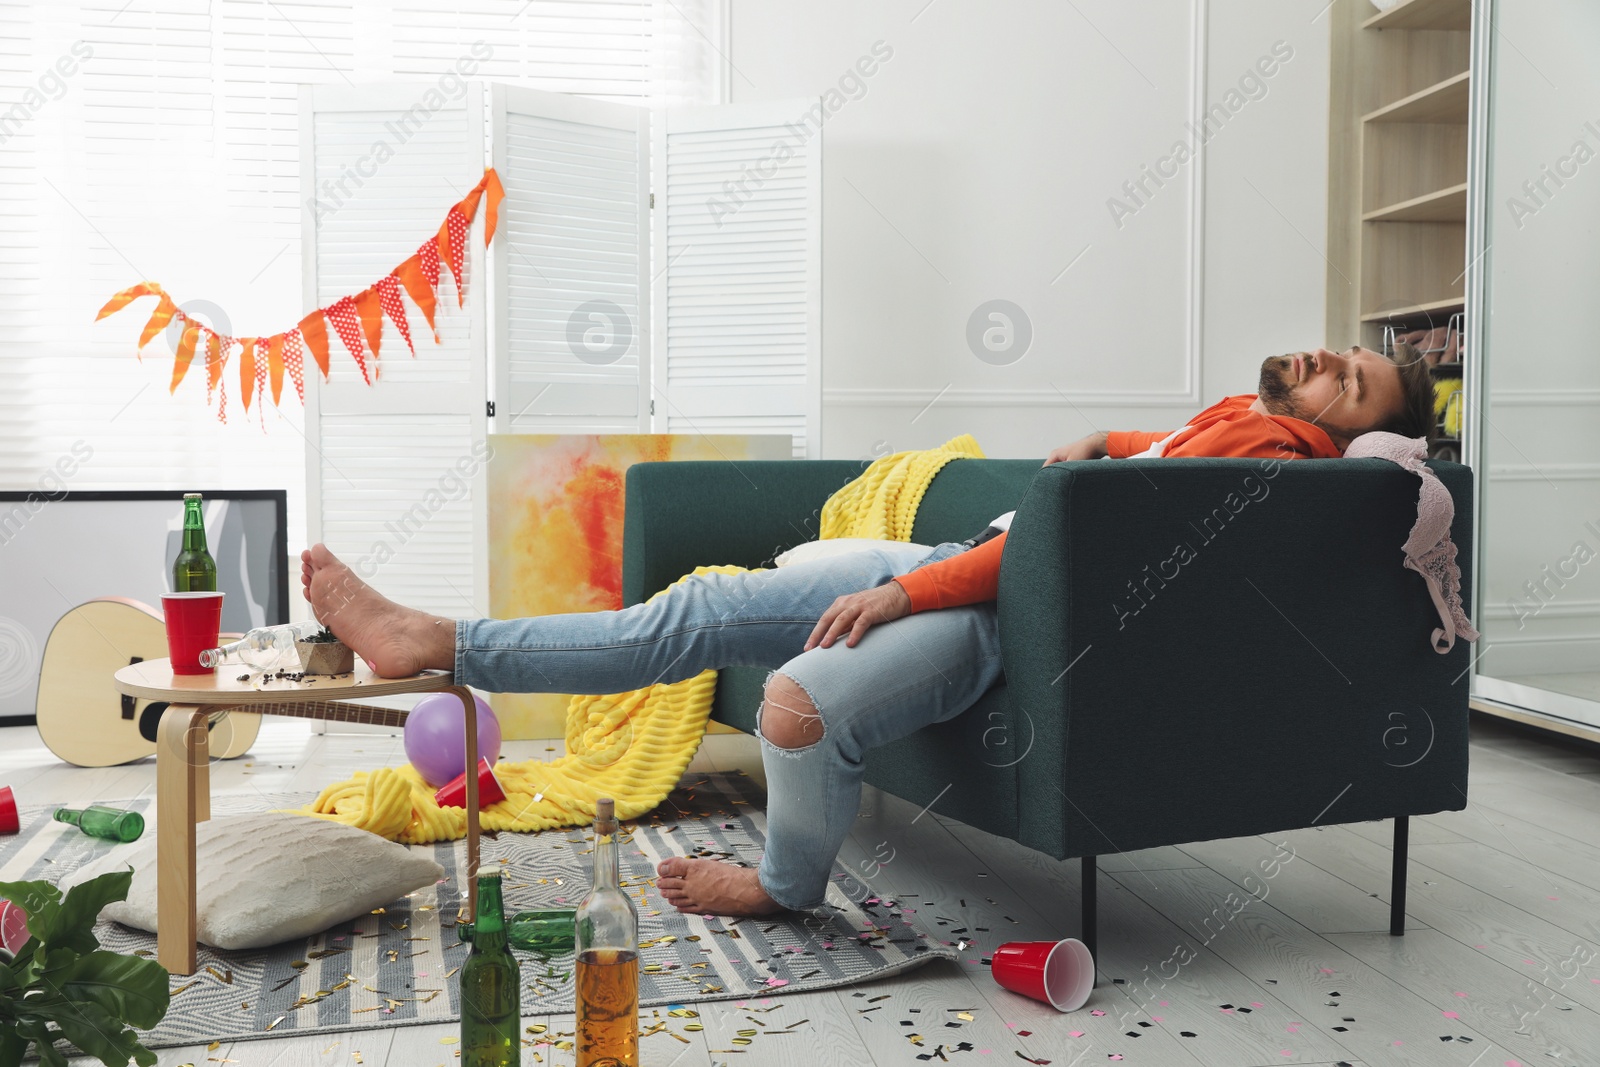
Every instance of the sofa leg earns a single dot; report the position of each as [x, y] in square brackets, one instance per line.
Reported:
[1091, 919]
[1397, 888]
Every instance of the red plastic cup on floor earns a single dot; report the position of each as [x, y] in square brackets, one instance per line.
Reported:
[13, 927]
[454, 795]
[1059, 973]
[193, 622]
[9, 823]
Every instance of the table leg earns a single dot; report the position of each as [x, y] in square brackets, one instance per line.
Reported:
[182, 759]
[470, 716]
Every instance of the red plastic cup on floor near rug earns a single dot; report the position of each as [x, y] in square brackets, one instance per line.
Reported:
[454, 795]
[13, 927]
[193, 622]
[1059, 973]
[9, 824]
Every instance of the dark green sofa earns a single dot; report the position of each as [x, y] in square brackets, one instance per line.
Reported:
[1277, 675]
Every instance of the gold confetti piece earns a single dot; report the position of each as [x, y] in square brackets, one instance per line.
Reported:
[357, 1057]
[537, 1028]
[276, 1021]
[359, 1011]
[964, 1016]
[379, 911]
[693, 1027]
[213, 1046]
[791, 1026]
[451, 972]
[875, 1000]
[741, 1041]
[181, 988]
[299, 965]
[448, 1040]
[330, 1048]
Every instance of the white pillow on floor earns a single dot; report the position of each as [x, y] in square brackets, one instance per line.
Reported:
[270, 877]
[833, 546]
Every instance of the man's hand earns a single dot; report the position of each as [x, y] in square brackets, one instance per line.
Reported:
[1091, 447]
[858, 612]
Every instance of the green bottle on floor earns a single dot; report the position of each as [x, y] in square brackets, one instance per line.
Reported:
[491, 987]
[545, 931]
[110, 824]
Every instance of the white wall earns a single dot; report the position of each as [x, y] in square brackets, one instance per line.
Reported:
[977, 164]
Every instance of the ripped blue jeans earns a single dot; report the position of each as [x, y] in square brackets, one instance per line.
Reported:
[902, 676]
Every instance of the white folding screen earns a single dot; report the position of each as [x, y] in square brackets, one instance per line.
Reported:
[705, 318]
[738, 253]
[390, 468]
[571, 260]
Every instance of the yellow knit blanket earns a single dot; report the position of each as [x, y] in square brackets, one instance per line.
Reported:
[634, 746]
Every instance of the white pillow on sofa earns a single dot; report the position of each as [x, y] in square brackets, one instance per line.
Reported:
[833, 546]
[270, 877]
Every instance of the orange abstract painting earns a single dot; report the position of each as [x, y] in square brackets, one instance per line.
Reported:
[555, 531]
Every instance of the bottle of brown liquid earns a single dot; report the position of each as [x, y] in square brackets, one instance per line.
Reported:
[607, 958]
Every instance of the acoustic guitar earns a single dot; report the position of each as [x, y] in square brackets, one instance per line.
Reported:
[86, 722]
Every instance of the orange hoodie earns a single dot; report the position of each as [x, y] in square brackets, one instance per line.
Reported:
[1228, 428]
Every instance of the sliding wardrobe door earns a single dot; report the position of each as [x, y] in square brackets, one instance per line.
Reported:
[1537, 360]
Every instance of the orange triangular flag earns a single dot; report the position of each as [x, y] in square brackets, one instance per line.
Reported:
[370, 308]
[491, 216]
[247, 369]
[186, 343]
[275, 365]
[314, 331]
[126, 297]
[214, 360]
[410, 274]
[453, 249]
[158, 320]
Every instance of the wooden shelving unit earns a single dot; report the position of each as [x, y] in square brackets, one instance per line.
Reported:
[1397, 168]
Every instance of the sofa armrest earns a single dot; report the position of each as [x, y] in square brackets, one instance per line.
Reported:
[1212, 648]
[683, 515]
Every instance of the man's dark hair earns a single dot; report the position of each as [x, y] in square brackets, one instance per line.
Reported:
[1416, 416]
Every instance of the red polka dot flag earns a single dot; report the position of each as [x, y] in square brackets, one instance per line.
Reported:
[267, 357]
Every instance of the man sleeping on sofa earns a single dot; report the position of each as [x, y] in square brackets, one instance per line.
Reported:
[864, 648]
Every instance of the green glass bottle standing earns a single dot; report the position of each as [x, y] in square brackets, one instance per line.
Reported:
[194, 571]
[491, 987]
[110, 824]
[607, 946]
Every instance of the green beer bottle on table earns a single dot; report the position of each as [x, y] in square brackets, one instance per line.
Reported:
[491, 987]
[194, 571]
[543, 931]
[108, 824]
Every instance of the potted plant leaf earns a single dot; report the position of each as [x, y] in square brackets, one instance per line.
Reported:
[62, 985]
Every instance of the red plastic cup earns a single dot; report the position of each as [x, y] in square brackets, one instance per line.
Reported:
[1059, 973]
[9, 823]
[13, 927]
[193, 622]
[454, 795]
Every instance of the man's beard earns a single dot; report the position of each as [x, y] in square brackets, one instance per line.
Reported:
[1275, 389]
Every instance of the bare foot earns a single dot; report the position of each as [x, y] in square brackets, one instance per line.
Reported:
[396, 641]
[711, 887]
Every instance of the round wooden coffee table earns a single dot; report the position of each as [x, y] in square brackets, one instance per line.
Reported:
[183, 780]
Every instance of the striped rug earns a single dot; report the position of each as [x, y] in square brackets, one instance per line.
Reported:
[397, 965]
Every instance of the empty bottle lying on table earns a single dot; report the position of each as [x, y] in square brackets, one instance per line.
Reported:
[264, 648]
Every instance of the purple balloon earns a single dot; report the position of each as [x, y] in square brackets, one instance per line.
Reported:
[436, 738]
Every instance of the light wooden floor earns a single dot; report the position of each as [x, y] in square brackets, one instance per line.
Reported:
[1503, 944]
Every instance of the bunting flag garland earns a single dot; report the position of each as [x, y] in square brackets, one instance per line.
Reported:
[357, 319]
